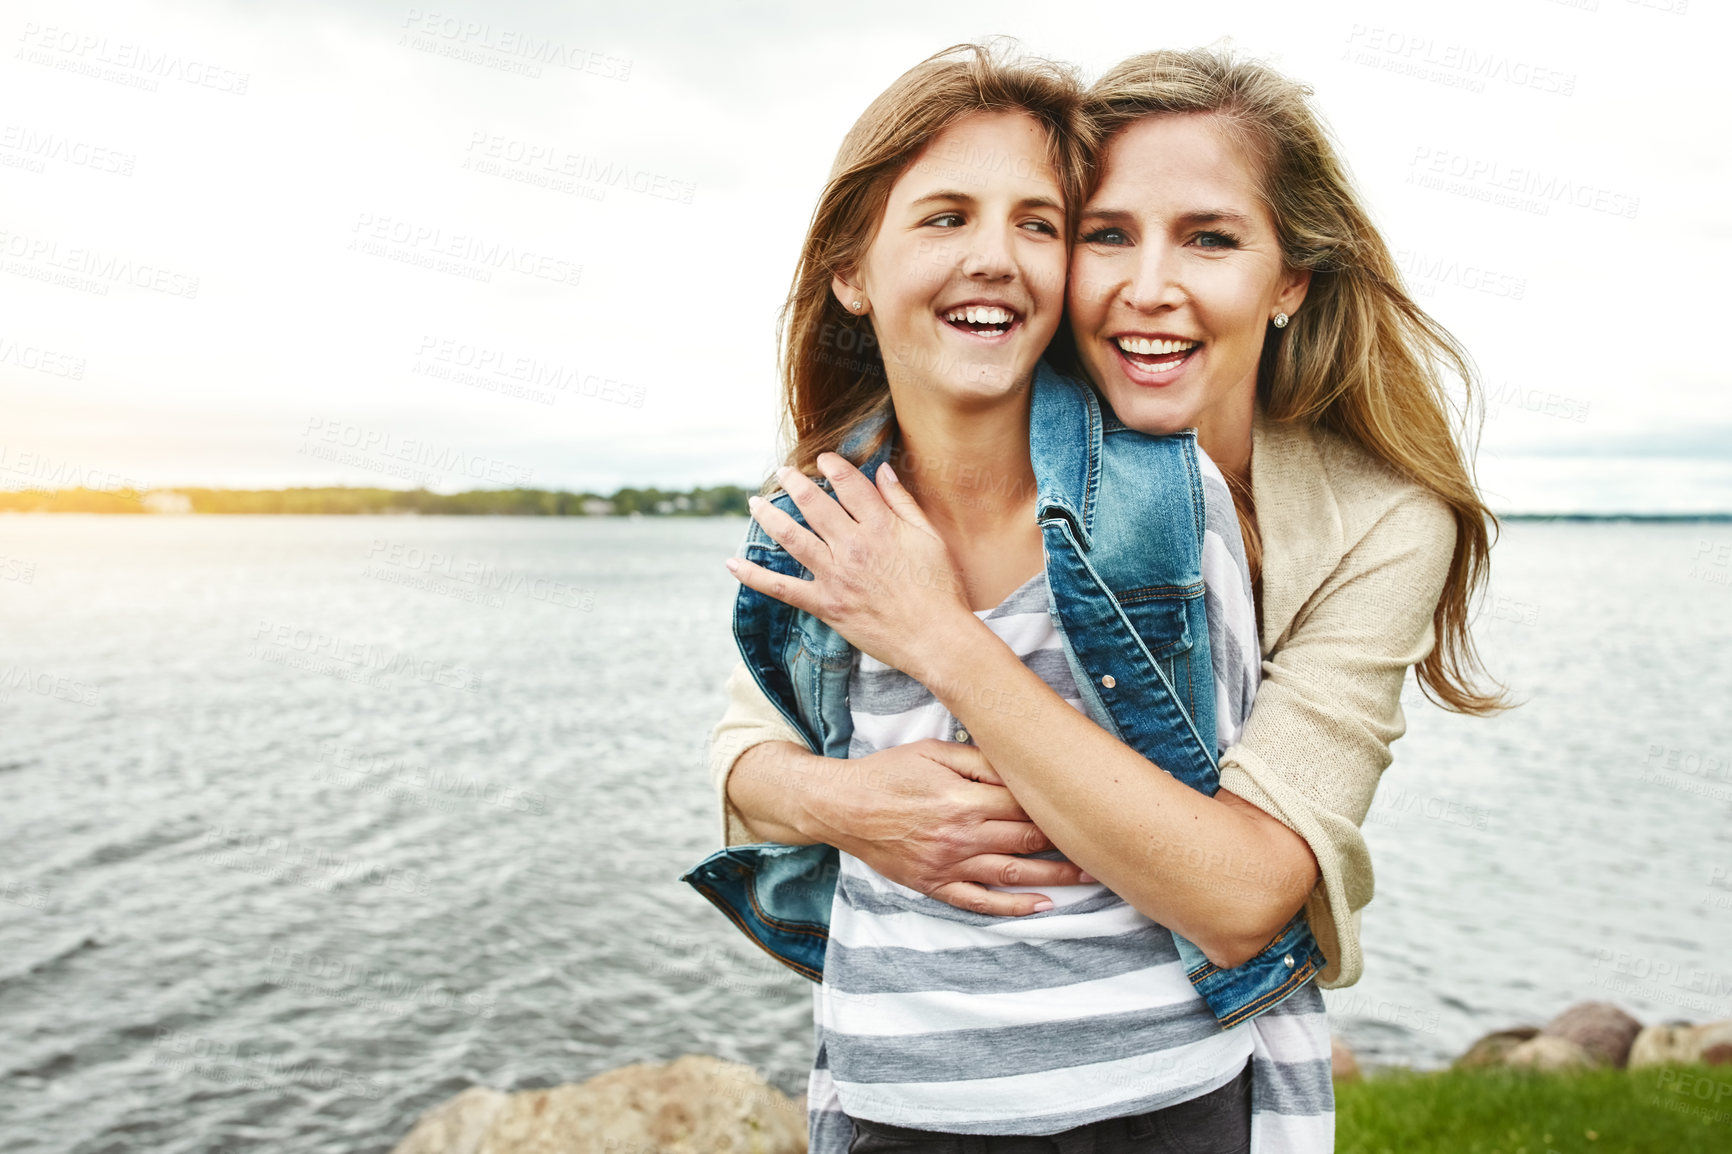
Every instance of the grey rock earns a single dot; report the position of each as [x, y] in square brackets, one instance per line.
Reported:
[1550, 1053]
[1600, 1028]
[1494, 1047]
[1678, 1044]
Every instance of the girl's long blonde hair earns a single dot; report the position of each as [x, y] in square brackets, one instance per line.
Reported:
[832, 372]
[1360, 358]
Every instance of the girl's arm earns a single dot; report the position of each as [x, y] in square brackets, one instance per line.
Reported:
[1218, 870]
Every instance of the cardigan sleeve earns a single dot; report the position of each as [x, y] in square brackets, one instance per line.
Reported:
[751, 719]
[1318, 738]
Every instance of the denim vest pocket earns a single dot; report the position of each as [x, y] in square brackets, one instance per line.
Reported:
[1167, 617]
[778, 895]
[1161, 617]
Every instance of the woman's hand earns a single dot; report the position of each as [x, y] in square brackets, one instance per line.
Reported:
[881, 575]
[934, 816]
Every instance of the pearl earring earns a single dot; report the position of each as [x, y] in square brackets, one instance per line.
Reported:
[1280, 320]
[856, 306]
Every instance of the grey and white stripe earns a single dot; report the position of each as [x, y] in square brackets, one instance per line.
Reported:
[1231, 610]
[943, 1019]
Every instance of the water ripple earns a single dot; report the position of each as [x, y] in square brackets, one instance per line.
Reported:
[259, 898]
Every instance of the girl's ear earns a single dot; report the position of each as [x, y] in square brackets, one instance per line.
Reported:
[851, 298]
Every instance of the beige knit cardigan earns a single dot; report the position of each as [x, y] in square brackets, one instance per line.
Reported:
[1354, 561]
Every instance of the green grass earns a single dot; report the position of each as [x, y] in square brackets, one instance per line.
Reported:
[1657, 1110]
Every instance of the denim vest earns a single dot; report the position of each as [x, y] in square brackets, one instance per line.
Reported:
[1121, 517]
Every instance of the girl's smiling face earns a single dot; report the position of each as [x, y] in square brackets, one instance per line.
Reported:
[964, 280]
[1176, 275]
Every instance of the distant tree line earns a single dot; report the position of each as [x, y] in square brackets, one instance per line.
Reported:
[718, 500]
[705, 502]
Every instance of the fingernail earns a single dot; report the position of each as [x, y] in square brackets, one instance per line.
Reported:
[1042, 906]
[1085, 878]
[752, 501]
[733, 565]
[889, 472]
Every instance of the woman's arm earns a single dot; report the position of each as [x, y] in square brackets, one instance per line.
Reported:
[1318, 739]
[930, 815]
[1295, 787]
[1223, 873]
[1306, 766]
[750, 723]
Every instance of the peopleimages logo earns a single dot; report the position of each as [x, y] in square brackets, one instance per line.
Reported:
[475, 572]
[1424, 270]
[366, 662]
[137, 65]
[496, 154]
[1512, 186]
[46, 255]
[513, 49]
[313, 866]
[1712, 562]
[427, 245]
[1457, 65]
[14, 678]
[384, 445]
[40, 360]
[379, 772]
[234, 1064]
[497, 370]
[34, 149]
[47, 472]
[361, 983]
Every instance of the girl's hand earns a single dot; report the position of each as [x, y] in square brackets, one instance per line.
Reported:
[881, 575]
[934, 816]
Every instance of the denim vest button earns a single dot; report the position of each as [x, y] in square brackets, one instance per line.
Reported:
[1109, 681]
[962, 735]
[1288, 961]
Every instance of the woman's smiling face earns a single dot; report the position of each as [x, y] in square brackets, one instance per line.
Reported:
[965, 277]
[1175, 276]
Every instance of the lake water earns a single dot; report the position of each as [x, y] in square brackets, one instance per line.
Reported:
[308, 823]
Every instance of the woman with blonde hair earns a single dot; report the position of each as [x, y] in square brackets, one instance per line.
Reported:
[1225, 279]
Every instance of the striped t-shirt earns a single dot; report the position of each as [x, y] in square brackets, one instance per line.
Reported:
[943, 1019]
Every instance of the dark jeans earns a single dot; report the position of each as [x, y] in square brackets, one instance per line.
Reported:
[1219, 1122]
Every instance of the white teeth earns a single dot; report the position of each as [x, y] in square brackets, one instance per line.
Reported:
[981, 315]
[1143, 346]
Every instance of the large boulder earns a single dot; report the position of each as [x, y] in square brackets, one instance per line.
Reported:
[694, 1105]
[1549, 1053]
[1600, 1028]
[1492, 1049]
[456, 1125]
[1677, 1044]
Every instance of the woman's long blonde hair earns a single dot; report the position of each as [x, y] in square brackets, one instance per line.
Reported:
[832, 372]
[1360, 358]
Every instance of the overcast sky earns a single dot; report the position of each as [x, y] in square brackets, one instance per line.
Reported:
[258, 247]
